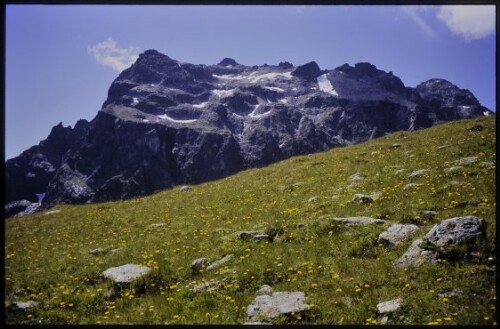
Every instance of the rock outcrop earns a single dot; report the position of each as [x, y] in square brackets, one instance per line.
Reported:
[166, 123]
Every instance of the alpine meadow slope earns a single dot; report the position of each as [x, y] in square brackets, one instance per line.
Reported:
[284, 226]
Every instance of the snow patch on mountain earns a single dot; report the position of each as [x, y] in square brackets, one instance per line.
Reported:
[325, 85]
[223, 93]
[198, 106]
[166, 117]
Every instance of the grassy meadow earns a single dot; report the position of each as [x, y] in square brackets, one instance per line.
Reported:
[342, 270]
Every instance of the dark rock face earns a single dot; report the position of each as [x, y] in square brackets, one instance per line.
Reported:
[166, 123]
[16, 207]
[30, 172]
[308, 72]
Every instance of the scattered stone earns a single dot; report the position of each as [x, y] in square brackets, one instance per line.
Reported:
[418, 173]
[389, 306]
[220, 262]
[442, 147]
[454, 182]
[16, 207]
[363, 198]
[429, 213]
[125, 273]
[246, 235]
[265, 290]
[359, 220]
[415, 256]
[450, 292]
[52, 212]
[267, 307]
[312, 199]
[453, 169]
[376, 195]
[96, 251]
[409, 186]
[258, 323]
[488, 164]
[263, 237]
[199, 264]
[32, 208]
[207, 286]
[185, 188]
[476, 128]
[384, 320]
[156, 225]
[395, 146]
[335, 196]
[456, 230]
[300, 225]
[347, 301]
[409, 154]
[466, 161]
[375, 152]
[352, 185]
[116, 250]
[399, 171]
[25, 306]
[396, 233]
[356, 176]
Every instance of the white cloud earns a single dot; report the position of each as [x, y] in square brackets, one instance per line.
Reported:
[107, 53]
[471, 22]
[413, 12]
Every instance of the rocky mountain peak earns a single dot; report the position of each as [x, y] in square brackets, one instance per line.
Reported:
[441, 92]
[228, 62]
[167, 123]
[309, 71]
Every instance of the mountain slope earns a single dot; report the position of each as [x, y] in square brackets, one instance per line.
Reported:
[166, 123]
[342, 270]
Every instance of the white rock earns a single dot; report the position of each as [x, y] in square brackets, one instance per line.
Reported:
[268, 307]
[218, 263]
[418, 173]
[126, 273]
[265, 290]
[389, 306]
[396, 233]
[359, 220]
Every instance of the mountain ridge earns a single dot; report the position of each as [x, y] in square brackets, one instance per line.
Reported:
[166, 123]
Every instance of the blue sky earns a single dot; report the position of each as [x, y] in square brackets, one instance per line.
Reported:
[61, 60]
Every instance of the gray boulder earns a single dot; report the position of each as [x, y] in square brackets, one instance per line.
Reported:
[389, 306]
[265, 290]
[185, 188]
[220, 262]
[417, 173]
[396, 233]
[415, 256]
[25, 306]
[409, 186]
[363, 198]
[358, 220]
[126, 273]
[199, 264]
[207, 286]
[271, 306]
[453, 169]
[466, 160]
[456, 230]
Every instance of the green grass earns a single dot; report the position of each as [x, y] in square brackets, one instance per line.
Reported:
[342, 270]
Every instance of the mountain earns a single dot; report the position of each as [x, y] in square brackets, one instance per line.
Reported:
[166, 123]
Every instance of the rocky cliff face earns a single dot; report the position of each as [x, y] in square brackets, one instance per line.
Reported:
[166, 123]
